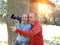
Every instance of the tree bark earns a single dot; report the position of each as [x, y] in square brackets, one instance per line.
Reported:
[16, 7]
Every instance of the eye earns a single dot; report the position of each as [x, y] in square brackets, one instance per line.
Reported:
[24, 17]
[30, 17]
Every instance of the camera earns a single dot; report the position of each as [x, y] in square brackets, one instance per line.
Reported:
[16, 17]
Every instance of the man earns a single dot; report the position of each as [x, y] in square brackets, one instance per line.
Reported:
[35, 34]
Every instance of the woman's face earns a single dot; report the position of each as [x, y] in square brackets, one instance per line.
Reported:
[25, 18]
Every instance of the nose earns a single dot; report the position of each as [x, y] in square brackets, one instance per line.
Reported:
[29, 18]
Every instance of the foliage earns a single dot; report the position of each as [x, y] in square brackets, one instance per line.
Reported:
[57, 18]
[56, 38]
[3, 10]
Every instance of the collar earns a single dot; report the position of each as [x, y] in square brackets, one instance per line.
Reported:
[36, 21]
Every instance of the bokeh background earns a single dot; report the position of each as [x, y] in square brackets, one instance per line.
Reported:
[49, 14]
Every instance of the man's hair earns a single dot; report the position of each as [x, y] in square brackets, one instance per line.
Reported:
[35, 13]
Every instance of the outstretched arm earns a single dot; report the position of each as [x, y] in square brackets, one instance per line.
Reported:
[36, 29]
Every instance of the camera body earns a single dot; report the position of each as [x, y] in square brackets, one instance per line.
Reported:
[16, 17]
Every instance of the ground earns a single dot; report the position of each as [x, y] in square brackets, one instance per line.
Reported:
[48, 32]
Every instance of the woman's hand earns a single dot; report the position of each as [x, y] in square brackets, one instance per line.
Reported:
[13, 28]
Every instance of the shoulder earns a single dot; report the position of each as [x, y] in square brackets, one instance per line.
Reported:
[38, 22]
[29, 25]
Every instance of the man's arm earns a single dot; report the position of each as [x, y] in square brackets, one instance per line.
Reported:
[36, 29]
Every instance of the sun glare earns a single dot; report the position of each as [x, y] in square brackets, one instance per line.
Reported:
[5, 0]
[44, 8]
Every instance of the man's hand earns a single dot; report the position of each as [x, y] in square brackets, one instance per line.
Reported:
[13, 28]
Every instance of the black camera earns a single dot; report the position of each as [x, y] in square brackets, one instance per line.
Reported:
[16, 17]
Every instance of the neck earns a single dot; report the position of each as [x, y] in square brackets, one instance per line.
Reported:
[33, 22]
[25, 23]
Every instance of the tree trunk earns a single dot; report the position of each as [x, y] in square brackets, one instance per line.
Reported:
[16, 7]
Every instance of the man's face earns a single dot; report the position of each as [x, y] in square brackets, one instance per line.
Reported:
[25, 18]
[31, 18]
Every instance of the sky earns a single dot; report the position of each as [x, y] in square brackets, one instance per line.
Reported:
[5, 0]
[57, 2]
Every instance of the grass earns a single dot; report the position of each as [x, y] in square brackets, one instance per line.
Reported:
[3, 43]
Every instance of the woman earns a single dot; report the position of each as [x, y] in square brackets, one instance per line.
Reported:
[23, 40]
